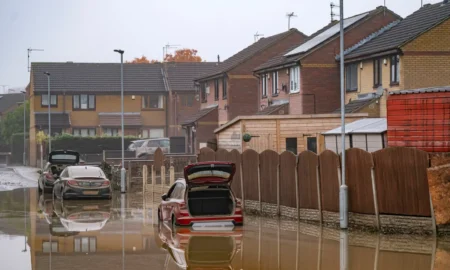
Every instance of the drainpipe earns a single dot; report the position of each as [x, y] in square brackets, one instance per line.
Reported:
[175, 116]
[167, 96]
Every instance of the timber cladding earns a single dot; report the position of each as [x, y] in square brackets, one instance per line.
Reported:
[391, 181]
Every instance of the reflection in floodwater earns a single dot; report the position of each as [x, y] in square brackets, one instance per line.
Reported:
[124, 234]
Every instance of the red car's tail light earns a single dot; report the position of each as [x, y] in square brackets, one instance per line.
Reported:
[72, 183]
[183, 210]
[49, 176]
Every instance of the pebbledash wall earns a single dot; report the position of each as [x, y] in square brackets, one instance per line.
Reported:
[384, 193]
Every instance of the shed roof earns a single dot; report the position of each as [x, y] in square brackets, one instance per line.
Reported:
[285, 117]
[421, 90]
[356, 105]
[362, 126]
[408, 29]
[273, 109]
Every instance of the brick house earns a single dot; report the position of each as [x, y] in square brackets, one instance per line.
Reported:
[407, 54]
[229, 90]
[183, 99]
[304, 79]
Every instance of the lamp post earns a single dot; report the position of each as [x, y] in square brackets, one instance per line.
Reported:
[49, 114]
[24, 129]
[122, 171]
[343, 190]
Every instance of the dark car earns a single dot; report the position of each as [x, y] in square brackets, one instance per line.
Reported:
[57, 161]
[82, 182]
[203, 198]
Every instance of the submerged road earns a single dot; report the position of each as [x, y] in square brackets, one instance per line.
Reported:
[37, 232]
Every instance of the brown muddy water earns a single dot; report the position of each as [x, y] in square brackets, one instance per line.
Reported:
[37, 232]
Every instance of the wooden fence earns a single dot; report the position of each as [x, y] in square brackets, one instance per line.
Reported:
[391, 181]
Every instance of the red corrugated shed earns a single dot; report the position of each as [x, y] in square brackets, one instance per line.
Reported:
[420, 118]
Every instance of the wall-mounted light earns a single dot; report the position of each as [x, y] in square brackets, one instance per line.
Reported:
[287, 71]
[361, 65]
[385, 61]
[133, 97]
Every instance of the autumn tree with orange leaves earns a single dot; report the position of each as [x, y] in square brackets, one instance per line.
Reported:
[142, 60]
[183, 55]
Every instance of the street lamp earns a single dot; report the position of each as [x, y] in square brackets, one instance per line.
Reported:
[49, 114]
[343, 190]
[122, 171]
[24, 128]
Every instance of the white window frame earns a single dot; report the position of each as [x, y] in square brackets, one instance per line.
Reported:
[147, 97]
[264, 86]
[111, 132]
[53, 100]
[294, 79]
[275, 83]
[153, 133]
[84, 132]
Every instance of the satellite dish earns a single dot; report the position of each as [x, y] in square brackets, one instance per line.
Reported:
[380, 90]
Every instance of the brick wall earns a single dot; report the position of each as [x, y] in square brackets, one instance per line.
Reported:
[205, 128]
[283, 78]
[427, 58]
[179, 112]
[221, 102]
[243, 97]
[320, 71]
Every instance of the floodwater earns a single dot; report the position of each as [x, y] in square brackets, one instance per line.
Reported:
[39, 233]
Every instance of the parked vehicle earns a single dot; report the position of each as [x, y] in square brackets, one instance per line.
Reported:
[58, 160]
[135, 144]
[191, 249]
[149, 146]
[82, 182]
[203, 198]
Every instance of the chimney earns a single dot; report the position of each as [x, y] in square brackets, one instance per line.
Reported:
[218, 58]
[445, 2]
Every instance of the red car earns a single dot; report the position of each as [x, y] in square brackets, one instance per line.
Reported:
[203, 198]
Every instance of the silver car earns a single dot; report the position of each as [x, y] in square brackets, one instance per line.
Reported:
[149, 146]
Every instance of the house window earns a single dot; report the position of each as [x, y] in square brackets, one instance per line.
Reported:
[395, 69]
[83, 132]
[83, 102]
[53, 100]
[351, 77]
[111, 131]
[153, 102]
[294, 76]
[376, 72]
[216, 89]
[48, 246]
[187, 100]
[85, 244]
[153, 133]
[264, 85]
[312, 144]
[275, 83]
[55, 131]
[224, 88]
[203, 92]
[291, 145]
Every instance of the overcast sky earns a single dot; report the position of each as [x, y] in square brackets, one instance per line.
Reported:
[89, 30]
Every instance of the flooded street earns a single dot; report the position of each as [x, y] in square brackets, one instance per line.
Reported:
[37, 232]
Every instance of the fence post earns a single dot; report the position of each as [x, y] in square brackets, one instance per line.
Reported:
[104, 156]
[144, 178]
[153, 179]
[278, 187]
[242, 184]
[128, 179]
[319, 197]
[297, 195]
[259, 187]
[375, 198]
[163, 178]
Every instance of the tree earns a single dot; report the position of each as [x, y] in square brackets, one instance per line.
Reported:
[183, 55]
[142, 60]
[13, 122]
